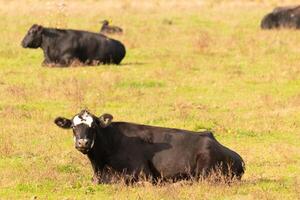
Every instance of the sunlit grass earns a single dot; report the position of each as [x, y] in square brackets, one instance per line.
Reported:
[190, 66]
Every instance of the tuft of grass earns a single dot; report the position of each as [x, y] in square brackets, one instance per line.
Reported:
[67, 168]
[190, 64]
[141, 85]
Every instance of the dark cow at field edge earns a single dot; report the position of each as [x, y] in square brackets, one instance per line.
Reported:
[282, 17]
[108, 29]
[63, 46]
[155, 152]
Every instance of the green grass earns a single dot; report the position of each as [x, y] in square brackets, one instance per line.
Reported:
[212, 68]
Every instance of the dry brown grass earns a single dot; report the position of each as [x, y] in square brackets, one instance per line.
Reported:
[210, 68]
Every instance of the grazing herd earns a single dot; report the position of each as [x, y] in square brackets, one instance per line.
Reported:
[63, 47]
[134, 150]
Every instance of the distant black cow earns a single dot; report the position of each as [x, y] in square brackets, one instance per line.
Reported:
[108, 29]
[63, 46]
[282, 17]
[157, 153]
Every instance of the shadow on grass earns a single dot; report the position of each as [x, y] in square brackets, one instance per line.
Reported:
[132, 63]
[75, 65]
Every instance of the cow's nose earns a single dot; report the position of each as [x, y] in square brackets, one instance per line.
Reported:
[23, 44]
[82, 142]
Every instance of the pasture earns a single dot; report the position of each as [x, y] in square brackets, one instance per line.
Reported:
[192, 65]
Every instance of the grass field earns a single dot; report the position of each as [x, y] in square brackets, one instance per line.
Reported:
[197, 65]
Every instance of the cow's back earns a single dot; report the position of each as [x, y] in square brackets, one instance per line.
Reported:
[170, 151]
[83, 45]
[108, 49]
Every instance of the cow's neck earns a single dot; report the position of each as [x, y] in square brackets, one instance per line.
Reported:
[101, 150]
[49, 40]
[47, 36]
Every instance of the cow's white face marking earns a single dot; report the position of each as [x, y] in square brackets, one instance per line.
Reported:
[85, 118]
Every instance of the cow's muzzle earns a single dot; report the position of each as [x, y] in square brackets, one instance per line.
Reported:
[84, 145]
[23, 44]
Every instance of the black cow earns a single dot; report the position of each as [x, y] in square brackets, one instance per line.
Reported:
[282, 17]
[63, 46]
[108, 29]
[157, 153]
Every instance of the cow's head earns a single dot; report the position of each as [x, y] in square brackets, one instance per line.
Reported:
[84, 127]
[105, 22]
[33, 38]
[270, 21]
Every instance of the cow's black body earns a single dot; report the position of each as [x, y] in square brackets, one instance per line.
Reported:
[155, 152]
[282, 17]
[161, 152]
[62, 46]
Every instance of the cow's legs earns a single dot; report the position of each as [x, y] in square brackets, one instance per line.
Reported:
[65, 60]
[46, 63]
[101, 177]
[96, 179]
[202, 165]
[105, 176]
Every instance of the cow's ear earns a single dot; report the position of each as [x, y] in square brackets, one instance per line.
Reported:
[63, 122]
[105, 120]
[36, 28]
[39, 28]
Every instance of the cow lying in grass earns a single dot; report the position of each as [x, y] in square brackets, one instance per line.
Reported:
[156, 153]
[282, 17]
[63, 46]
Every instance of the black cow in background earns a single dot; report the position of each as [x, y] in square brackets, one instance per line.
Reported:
[63, 46]
[157, 153]
[282, 17]
[108, 29]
